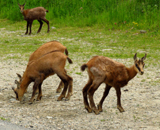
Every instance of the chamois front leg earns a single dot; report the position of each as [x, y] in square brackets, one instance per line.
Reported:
[41, 23]
[118, 92]
[105, 94]
[30, 26]
[27, 27]
[35, 87]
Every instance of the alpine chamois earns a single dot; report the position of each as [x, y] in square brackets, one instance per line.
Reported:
[37, 13]
[114, 74]
[42, 50]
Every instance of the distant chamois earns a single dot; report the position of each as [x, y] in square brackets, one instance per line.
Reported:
[37, 13]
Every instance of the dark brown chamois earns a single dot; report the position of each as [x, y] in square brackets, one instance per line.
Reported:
[114, 74]
[37, 71]
[37, 13]
[42, 50]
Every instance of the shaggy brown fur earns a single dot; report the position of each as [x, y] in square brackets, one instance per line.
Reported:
[41, 51]
[114, 74]
[40, 69]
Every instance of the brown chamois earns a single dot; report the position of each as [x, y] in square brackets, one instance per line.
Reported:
[114, 74]
[37, 71]
[37, 13]
[42, 50]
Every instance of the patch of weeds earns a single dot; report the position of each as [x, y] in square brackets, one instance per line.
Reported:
[79, 73]
[143, 80]
[2, 118]
[103, 120]
[134, 117]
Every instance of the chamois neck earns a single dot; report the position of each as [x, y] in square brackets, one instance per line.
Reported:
[132, 72]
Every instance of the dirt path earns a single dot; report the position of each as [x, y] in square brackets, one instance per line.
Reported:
[141, 103]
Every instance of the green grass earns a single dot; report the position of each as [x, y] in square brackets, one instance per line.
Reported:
[82, 43]
[109, 14]
[2, 118]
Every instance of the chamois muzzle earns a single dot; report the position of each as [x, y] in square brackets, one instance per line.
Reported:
[15, 93]
[141, 72]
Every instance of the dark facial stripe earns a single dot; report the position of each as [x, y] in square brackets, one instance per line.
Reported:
[138, 67]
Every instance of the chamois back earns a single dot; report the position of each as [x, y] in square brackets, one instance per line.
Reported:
[46, 48]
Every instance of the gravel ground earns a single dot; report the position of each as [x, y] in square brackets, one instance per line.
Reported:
[140, 99]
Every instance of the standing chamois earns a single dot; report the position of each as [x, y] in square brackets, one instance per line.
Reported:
[37, 71]
[37, 13]
[114, 74]
[43, 50]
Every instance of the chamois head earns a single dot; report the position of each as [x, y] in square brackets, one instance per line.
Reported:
[139, 64]
[21, 7]
[18, 82]
[18, 85]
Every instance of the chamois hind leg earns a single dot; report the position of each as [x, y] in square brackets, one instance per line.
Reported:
[41, 23]
[45, 20]
[30, 25]
[27, 28]
[85, 99]
[70, 87]
[105, 94]
[63, 76]
[118, 92]
[61, 85]
[96, 83]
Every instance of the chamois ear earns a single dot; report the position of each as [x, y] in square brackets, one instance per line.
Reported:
[135, 57]
[143, 58]
[16, 82]
[24, 4]
[19, 76]
[18, 4]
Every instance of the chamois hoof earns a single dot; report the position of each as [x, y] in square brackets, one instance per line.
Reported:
[99, 108]
[22, 102]
[31, 101]
[39, 98]
[89, 110]
[67, 99]
[96, 111]
[60, 98]
[120, 109]
[58, 91]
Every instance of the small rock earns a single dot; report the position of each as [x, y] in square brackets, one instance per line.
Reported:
[49, 117]
[53, 27]
[143, 31]
[13, 100]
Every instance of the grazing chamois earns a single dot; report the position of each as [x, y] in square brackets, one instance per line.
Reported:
[37, 13]
[42, 50]
[114, 74]
[37, 71]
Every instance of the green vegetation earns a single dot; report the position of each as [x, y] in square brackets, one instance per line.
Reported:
[106, 27]
[108, 14]
[82, 43]
[2, 118]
